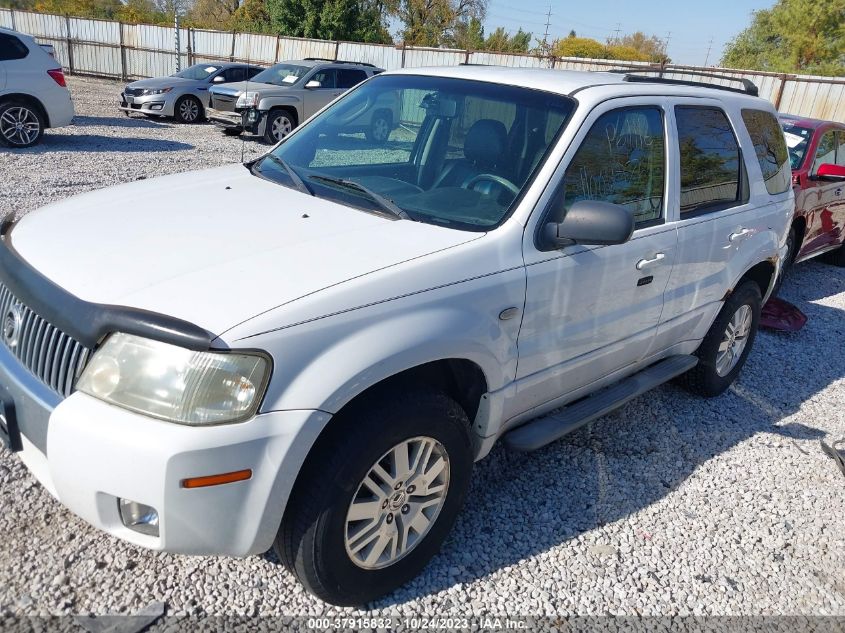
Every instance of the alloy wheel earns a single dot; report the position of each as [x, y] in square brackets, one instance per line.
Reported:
[19, 126]
[189, 110]
[381, 130]
[397, 503]
[734, 340]
[281, 127]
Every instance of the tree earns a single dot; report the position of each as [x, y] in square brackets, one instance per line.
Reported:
[469, 35]
[580, 47]
[353, 20]
[211, 14]
[639, 47]
[250, 17]
[501, 42]
[434, 22]
[794, 36]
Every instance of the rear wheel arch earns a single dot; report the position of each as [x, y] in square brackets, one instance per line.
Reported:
[763, 274]
[29, 100]
[800, 226]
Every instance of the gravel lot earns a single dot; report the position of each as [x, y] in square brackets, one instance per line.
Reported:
[672, 505]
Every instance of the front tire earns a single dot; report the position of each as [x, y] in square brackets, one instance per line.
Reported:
[188, 109]
[377, 496]
[380, 128]
[21, 124]
[279, 124]
[727, 344]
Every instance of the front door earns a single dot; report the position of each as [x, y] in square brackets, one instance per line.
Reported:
[319, 97]
[592, 310]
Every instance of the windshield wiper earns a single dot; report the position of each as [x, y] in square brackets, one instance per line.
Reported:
[297, 180]
[384, 203]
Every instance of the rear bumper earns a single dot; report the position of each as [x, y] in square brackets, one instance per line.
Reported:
[60, 110]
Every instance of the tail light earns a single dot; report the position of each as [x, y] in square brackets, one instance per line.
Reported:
[58, 76]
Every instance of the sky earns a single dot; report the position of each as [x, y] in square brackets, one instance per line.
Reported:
[688, 25]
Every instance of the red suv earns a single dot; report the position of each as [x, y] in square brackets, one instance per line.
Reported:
[817, 154]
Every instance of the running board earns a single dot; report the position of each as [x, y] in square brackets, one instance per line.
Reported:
[549, 428]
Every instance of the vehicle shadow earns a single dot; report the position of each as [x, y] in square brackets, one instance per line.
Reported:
[632, 458]
[98, 143]
[120, 121]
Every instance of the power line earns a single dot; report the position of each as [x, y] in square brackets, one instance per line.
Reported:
[709, 46]
[546, 36]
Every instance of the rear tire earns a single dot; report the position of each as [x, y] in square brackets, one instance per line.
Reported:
[21, 124]
[727, 344]
[359, 464]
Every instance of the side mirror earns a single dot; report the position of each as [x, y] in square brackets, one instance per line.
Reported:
[590, 222]
[829, 171]
[313, 84]
[219, 79]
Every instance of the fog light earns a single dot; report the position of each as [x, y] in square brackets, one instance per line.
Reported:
[138, 517]
[156, 106]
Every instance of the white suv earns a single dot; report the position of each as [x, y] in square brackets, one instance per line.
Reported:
[33, 94]
[311, 350]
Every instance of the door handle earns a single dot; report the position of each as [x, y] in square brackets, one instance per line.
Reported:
[733, 237]
[645, 263]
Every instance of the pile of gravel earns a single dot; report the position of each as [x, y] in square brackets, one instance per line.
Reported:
[671, 505]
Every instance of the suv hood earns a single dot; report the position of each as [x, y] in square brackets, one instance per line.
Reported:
[162, 82]
[215, 247]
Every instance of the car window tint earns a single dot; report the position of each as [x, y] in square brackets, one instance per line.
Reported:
[710, 159]
[11, 48]
[825, 152]
[473, 110]
[348, 77]
[234, 74]
[252, 72]
[327, 78]
[770, 148]
[621, 161]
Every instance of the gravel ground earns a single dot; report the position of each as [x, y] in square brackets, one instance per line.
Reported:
[671, 505]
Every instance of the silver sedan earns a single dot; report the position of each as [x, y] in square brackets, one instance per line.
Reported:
[184, 95]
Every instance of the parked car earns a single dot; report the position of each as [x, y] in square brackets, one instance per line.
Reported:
[184, 95]
[33, 93]
[275, 101]
[324, 340]
[817, 157]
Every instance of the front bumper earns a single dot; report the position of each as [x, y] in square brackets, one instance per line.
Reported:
[96, 453]
[249, 121]
[150, 104]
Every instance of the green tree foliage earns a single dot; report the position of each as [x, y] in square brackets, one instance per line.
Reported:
[794, 36]
[212, 14]
[434, 22]
[638, 47]
[352, 20]
[580, 47]
[469, 35]
[501, 42]
[250, 17]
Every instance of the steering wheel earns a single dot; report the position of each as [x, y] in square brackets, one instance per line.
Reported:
[504, 182]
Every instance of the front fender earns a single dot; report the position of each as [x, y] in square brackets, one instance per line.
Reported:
[267, 103]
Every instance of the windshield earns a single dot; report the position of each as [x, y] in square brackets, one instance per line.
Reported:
[281, 75]
[797, 138]
[198, 71]
[445, 151]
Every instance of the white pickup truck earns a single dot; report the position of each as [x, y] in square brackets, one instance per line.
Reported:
[310, 351]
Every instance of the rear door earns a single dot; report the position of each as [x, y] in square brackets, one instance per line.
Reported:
[593, 310]
[820, 199]
[317, 98]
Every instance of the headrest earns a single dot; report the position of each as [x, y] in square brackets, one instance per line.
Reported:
[485, 142]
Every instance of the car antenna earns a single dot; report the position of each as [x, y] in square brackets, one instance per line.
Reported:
[246, 90]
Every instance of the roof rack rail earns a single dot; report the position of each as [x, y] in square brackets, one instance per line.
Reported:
[337, 61]
[748, 86]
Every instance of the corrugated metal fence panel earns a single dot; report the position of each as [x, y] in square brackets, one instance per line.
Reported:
[209, 45]
[387, 57]
[255, 48]
[95, 59]
[98, 31]
[40, 24]
[814, 99]
[6, 18]
[158, 38]
[418, 57]
[296, 48]
[150, 64]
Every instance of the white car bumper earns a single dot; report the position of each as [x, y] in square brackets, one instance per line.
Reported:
[60, 110]
[98, 453]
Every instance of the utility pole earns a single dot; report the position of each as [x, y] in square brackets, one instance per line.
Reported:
[546, 46]
[618, 29]
[176, 41]
[709, 46]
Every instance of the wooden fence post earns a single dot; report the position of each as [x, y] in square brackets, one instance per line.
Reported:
[69, 42]
[466, 57]
[190, 47]
[336, 49]
[123, 75]
[278, 46]
[232, 54]
[12, 15]
[783, 78]
[403, 53]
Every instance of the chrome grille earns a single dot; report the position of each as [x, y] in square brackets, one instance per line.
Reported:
[52, 356]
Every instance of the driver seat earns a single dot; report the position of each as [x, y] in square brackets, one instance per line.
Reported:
[484, 149]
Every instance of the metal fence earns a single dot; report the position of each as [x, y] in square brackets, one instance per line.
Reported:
[127, 51]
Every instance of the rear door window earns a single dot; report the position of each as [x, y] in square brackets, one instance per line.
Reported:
[327, 78]
[840, 148]
[770, 148]
[711, 173]
[349, 77]
[825, 152]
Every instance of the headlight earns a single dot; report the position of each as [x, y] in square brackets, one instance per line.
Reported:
[247, 99]
[175, 384]
[156, 91]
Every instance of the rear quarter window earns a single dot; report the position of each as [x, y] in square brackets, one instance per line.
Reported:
[770, 149]
[11, 48]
